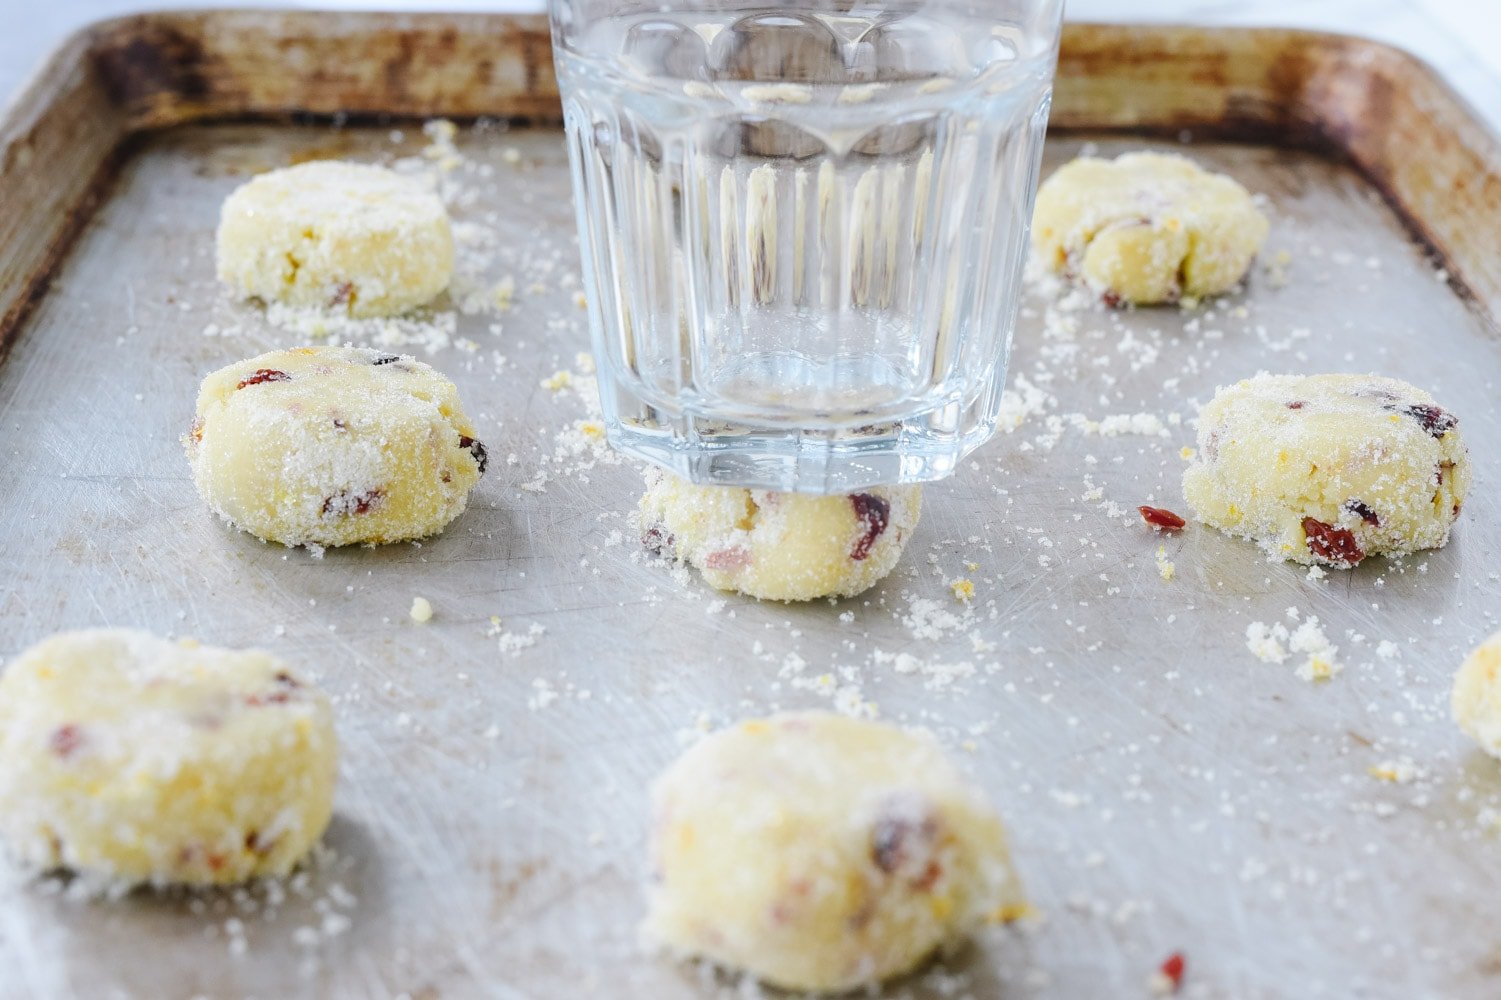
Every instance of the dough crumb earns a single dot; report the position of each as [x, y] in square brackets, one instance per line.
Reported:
[1398, 772]
[422, 610]
[1165, 568]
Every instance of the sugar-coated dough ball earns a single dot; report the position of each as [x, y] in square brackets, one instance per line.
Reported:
[333, 446]
[821, 852]
[1328, 468]
[130, 759]
[1476, 698]
[779, 546]
[352, 237]
[1147, 227]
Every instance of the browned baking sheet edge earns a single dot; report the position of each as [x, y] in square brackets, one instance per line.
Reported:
[1381, 108]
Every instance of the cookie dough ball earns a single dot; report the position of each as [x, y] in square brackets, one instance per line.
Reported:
[132, 759]
[821, 852]
[1328, 468]
[779, 546]
[1476, 698]
[332, 446]
[351, 237]
[1147, 227]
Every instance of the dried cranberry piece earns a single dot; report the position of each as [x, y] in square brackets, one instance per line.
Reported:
[65, 740]
[659, 541]
[1111, 299]
[730, 560]
[1212, 445]
[888, 843]
[264, 375]
[477, 449]
[1162, 520]
[256, 844]
[1436, 420]
[386, 359]
[1335, 545]
[1296, 404]
[343, 294]
[875, 513]
[285, 685]
[901, 844]
[1171, 970]
[345, 504]
[1363, 510]
[929, 878]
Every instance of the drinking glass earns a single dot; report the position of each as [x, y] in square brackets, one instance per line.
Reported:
[803, 227]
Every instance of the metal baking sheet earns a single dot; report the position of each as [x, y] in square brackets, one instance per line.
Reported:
[1164, 789]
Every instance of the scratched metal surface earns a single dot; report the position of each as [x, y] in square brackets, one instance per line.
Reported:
[1165, 790]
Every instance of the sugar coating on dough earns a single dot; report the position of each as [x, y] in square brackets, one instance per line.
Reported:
[1328, 468]
[779, 546]
[821, 852]
[131, 759]
[351, 237]
[1476, 698]
[333, 446]
[1147, 227]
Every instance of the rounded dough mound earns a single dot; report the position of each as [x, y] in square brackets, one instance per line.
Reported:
[132, 759]
[1476, 698]
[1328, 468]
[348, 236]
[821, 852]
[779, 546]
[333, 446]
[1147, 227]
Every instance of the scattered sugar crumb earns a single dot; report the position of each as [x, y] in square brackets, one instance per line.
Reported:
[512, 643]
[1322, 662]
[1266, 642]
[543, 694]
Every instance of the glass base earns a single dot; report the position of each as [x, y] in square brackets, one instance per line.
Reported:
[917, 449]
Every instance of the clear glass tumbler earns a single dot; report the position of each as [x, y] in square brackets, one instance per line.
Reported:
[803, 226]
